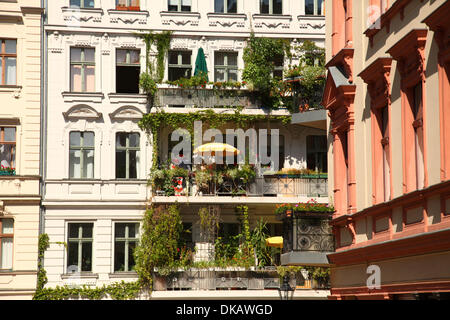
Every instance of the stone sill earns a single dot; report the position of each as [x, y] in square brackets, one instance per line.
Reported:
[227, 15]
[84, 10]
[272, 16]
[180, 14]
[120, 12]
[79, 276]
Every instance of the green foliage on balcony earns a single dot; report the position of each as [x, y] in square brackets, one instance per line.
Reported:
[311, 206]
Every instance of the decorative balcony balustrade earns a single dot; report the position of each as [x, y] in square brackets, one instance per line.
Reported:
[206, 98]
[309, 232]
[229, 279]
[266, 186]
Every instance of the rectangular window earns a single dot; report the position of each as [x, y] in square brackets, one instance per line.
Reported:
[79, 247]
[278, 66]
[225, 66]
[8, 147]
[313, 7]
[82, 69]
[6, 243]
[417, 109]
[130, 5]
[128, 69]
[82, 3]
[271, 6]
[225, 6]
[8, 56]
[316, 153]
[384, 126]
[125, 239]
[127, 155]
[180, 5]
[81, 155]
[180, 65]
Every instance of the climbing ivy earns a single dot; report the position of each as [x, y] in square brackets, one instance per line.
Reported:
[154, 122]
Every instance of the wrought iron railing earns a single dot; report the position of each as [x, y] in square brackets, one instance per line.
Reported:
[271, 186]
[308, 233]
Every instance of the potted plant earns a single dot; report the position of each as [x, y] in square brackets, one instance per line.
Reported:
[7, 171]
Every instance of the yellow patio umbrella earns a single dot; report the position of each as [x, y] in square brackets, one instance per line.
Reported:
[216, 147]
[276, 242]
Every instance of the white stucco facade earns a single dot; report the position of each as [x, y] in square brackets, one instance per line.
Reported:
[104, 200]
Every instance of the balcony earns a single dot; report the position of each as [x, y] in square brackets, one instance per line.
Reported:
[308, 238]
[265, 186]
[217, 279]
[206, 98]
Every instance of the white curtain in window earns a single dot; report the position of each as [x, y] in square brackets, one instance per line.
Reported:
[89, 163]
[7, 253]
[186, 2]
[173, 2]
[5, 155]
[138, 161]
[10, 73]
[75, 156]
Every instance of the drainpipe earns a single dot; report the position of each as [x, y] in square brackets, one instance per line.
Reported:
[43, 116]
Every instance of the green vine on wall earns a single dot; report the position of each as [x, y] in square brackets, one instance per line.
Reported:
[154, 122]
[117, 291]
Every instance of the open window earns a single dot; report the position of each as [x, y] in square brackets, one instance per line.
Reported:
[128, 69]
[127, 5]
[180, 65]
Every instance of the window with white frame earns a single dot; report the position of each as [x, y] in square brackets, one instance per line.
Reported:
[271, 6]
[125, 239]
[180, 65]
[8, 62]
[314, 7]
[127, 155]
[6, 243]
[82, 3]
[225, 66]
[180, 5]
[7, 148]
[79, 247]
[225, 6]
[81, 155]
[82, 69]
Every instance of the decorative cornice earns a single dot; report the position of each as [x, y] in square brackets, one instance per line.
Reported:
[82, 111]
[126, 113]
[410, 55]
[377, 78]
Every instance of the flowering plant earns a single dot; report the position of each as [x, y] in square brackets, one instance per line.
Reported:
[7, 171]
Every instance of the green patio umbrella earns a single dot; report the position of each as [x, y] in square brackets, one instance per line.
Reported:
[200, 64]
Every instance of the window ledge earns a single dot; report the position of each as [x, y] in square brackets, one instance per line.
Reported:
[128, 98]
[227, 15]
[82, 96]
[121, 12]
[120, 275]
[272, 16]
[310, 17]
[179, 14]
[84, 10]
[82, 275]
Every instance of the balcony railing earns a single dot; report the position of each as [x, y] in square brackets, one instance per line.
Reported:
[309, 232]
[225, 279]
[206, 98]
[266, 186]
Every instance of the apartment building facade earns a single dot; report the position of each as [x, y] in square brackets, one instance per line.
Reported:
[98, 159]
[20, 96]
[387, 97]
